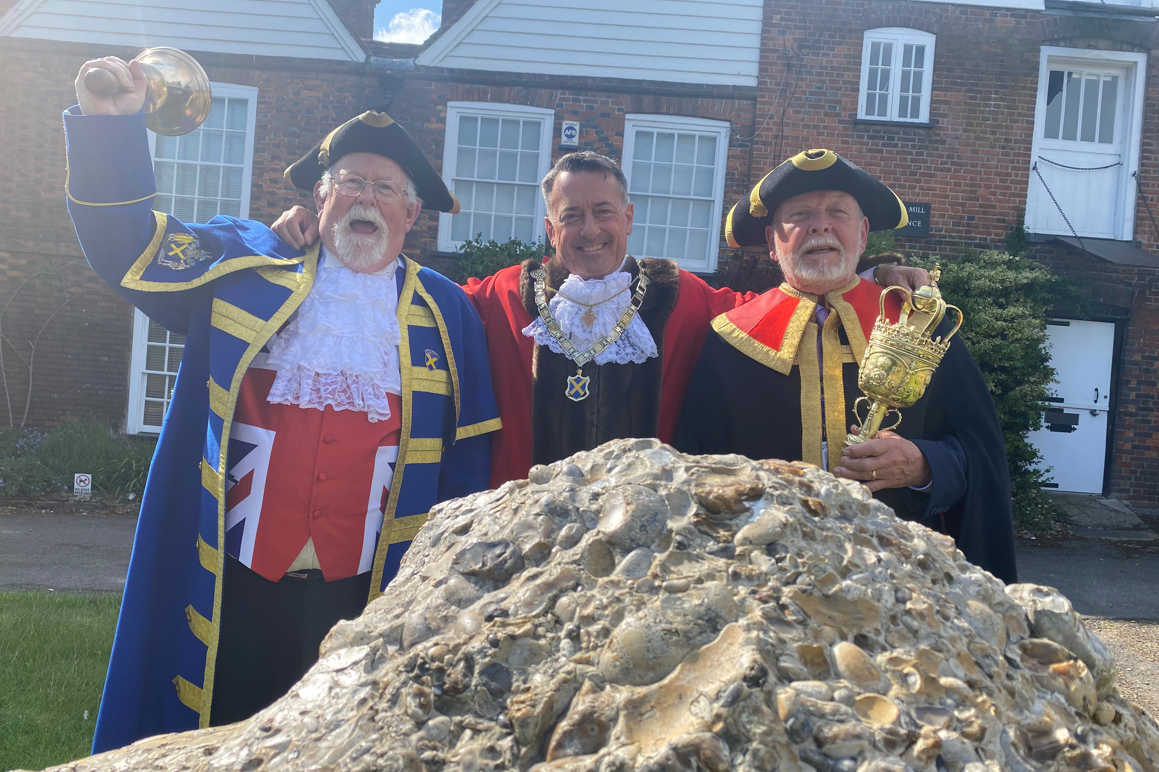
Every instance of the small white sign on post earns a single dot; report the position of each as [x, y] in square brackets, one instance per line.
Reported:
[82, 485]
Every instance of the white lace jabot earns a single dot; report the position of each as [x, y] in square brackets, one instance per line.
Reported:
[341, 349]
[635, 345]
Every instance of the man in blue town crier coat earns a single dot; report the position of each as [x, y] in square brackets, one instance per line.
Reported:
[325, 402]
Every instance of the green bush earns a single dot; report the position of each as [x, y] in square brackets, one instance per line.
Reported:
[37, 463]
[1006, 301]
[479, 259]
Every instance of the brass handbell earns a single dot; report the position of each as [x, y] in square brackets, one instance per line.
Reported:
[901, 358]
[178, 98]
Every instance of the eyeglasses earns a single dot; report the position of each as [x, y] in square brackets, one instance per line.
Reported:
[353, 186]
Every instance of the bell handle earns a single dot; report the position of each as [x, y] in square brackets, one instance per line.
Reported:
[895, 424]
[957, 326]
[881, 301]
[102, 83]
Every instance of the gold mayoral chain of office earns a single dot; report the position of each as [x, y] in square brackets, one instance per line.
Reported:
[577, 385]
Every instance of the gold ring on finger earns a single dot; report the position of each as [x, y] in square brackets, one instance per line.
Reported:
[875, 474]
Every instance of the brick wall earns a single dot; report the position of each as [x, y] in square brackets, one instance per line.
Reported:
[599, 105]
[972, 163]
[82, 359]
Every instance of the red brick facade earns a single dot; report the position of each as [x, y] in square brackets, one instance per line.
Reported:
[970, 162]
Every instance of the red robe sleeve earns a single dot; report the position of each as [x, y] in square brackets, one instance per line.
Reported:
[696, 306]
[500, 306]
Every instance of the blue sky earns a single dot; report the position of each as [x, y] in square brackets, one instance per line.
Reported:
[406, 21]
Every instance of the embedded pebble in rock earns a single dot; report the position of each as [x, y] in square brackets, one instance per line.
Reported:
[632, 608]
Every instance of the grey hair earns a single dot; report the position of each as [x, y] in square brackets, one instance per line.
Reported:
[412, 194]
[585, 161]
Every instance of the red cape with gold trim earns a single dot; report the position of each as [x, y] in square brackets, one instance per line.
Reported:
[757, 391]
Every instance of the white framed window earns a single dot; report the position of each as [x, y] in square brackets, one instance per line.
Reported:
[199, 175]
[494, 157]
[1087, 127]
[897, 67]
[675, 168]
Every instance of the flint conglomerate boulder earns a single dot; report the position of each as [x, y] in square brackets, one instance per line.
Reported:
[632, 608]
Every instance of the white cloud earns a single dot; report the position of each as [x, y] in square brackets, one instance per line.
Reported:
[413, 26]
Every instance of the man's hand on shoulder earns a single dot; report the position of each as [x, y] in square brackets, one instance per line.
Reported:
[297, 226]
[129, 80]
[911, 278]
[890, 461]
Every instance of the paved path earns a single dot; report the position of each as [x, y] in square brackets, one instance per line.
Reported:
[65, 552]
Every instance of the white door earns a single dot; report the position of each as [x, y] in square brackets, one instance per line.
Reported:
[1074, 438]
[1080, 157]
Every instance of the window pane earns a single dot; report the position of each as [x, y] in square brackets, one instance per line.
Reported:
[654, 246]
[509, 134]
[211, 143]
[468, 131]
[176, 340]
[157, 333]
[697, 245]
[505, 198]
[164, 172]
[465, 163]
[677, 238]
[185, 209]
[685, 148]
[662, 178]
[1090, 107]
[209, 181]
[636, 242]
[703, 185]
[461, 227]
[525, 200]
[682, 180]
[231, 208]
[166, 146]
[665, 147]
[236, 116]
[154, 413]
[1070, 117]
[155, 358]
[919, 57]
[643, 150]
[531, 131]
[163, 203]
[174, 359]
[488, 132]
[1053, 104]
[701, 212]
[504, 227]
[488, 164]
[678, 212]
[484, 197]
[186, 184]
[1109, 110]
[188, 146]
[508, 165]
[234, 149]
[466, 193]
[206, 209]
[524, 229]
[231, 183]
[216, 118]
[641, 181]
[706, 150]
[529, 167]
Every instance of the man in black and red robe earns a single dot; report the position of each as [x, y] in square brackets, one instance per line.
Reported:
[777, 377]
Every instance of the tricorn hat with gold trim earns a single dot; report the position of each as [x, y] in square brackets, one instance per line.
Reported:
[374, 132]
[806, 172]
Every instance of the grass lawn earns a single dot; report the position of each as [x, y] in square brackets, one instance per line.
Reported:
[54, 649]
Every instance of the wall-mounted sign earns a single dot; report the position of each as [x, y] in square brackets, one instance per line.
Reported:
[569, 134]
[919, 221]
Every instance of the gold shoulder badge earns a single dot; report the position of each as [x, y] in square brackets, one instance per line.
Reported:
[180, 251]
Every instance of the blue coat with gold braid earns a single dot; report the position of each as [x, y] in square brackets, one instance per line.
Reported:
[228, 286]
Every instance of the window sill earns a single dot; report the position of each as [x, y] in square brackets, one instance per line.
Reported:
[896, 124]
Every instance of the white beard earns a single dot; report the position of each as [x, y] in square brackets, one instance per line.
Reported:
[358, 251]
[814, 271]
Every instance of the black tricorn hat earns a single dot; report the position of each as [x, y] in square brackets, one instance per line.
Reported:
[806, 172]
[374, 132]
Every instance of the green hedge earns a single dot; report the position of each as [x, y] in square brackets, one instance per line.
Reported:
[37, 463]
[479, 259]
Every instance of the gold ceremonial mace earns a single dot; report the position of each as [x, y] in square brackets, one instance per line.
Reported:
[901, 358]
[178, 98]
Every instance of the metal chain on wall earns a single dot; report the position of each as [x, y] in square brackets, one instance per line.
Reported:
[1139, 194]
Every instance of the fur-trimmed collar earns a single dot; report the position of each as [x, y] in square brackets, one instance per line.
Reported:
[769, 329]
